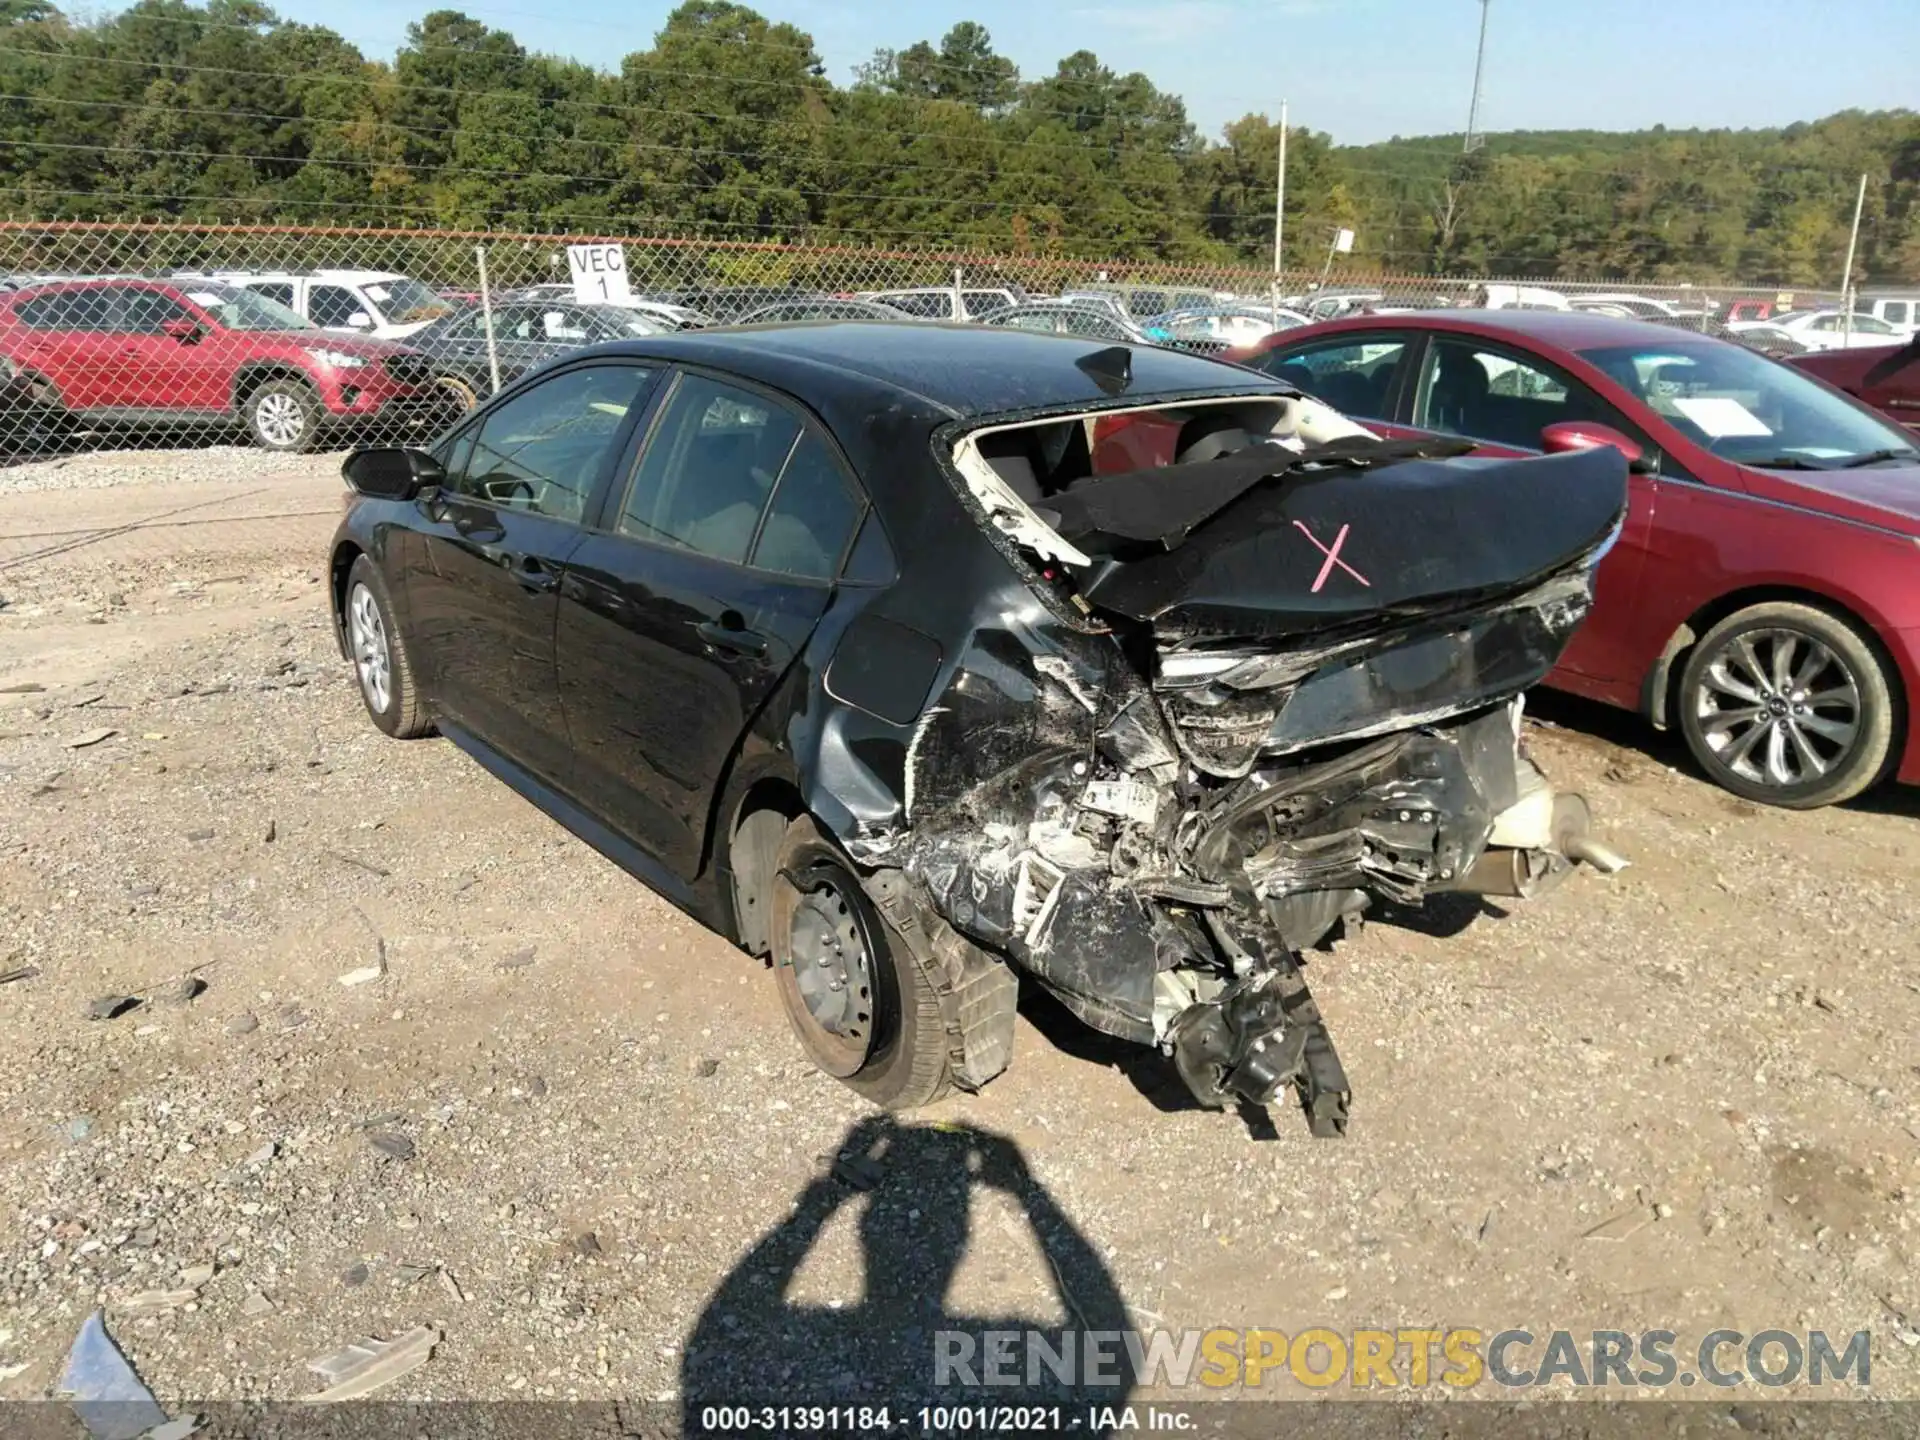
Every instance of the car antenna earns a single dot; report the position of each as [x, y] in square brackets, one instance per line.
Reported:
[1111, 369]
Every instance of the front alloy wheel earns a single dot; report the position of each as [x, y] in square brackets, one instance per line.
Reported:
[378, 649]
[372, 658]
[1788, 705]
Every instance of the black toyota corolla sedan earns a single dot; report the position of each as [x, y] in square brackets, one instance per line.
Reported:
[923, 658]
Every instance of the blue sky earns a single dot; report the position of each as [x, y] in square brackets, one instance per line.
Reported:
[1360, 70]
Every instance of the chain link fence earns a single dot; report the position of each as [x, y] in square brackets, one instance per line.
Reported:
[162, 335]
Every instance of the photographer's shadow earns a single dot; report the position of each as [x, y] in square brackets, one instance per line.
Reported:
[900, 1345]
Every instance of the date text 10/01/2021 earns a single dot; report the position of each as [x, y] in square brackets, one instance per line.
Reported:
[942, 1419]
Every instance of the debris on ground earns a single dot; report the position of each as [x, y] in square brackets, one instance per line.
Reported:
[196, 1275]
[354, 1276]
[256, 1304]
[112, 1007]
[391, 1144]
[190, 989]
[91, 737]
[107, 1393]
[156, 1302]
[362, 976]
[242, 1024]
[1619, 1227]
[23, 972]
[378, 871]
[368, 1364]
[519, 960]
[857, 1171]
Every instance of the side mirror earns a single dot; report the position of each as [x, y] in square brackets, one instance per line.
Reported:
[360, 320]
[1567, 435]
[392, 473]
[187, 332]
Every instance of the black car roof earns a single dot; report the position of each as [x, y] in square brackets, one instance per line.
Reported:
[965, 370]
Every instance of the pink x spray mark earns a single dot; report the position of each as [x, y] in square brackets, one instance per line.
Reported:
[1332, 553]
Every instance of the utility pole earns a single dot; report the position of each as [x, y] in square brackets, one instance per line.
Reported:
[1279, 214]
[1479, 67]
[1846, 278]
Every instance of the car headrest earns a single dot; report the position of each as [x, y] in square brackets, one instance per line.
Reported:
[1208, 437]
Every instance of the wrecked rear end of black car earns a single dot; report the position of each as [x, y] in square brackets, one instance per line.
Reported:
[1189, 717]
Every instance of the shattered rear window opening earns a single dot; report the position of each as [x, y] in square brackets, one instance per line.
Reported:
[1292, 689]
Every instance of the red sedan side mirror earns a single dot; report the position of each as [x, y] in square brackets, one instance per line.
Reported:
[1568, 435]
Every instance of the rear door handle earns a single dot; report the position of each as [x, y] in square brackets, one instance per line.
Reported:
[731, 637]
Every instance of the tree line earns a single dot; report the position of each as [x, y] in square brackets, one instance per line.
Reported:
[728, 126]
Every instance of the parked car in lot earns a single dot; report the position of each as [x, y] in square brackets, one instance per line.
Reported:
[787, 312]
[942, 302]
[524, 336]
[1061, 317]
[1900, 309]
[380, 303]
[1220, 327]
[1749, 309]
[125, 353]
[1136, 302]
[671, 316]
[1762, 595]
[1827, 329]
[847, 641]
[1624, 304]
[1886, 377]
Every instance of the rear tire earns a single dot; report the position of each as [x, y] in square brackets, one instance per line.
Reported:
[1784, 704]
[381, 662]
[853, 993]
[283, 416]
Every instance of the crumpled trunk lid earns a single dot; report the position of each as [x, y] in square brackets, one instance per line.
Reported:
[1336, 603]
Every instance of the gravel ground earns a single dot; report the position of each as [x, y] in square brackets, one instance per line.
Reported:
[406, 1053]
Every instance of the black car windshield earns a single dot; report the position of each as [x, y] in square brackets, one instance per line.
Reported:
[1746, 408]
[238, 309]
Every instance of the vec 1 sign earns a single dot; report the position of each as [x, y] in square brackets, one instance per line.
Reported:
[599, 274]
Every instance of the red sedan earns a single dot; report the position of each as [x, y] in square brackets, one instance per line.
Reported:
[1765, 592]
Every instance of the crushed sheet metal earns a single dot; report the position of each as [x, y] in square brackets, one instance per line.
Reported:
[368, 1364]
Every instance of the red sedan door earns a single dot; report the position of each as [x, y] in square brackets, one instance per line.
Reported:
[1454, 383]
[1505, 397]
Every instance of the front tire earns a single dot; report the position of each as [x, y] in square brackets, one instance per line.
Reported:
[853, 993]
[1787, 705]
[381, 661]
[283, 416]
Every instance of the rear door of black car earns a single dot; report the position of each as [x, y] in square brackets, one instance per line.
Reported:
[522, 478]
[715, 557]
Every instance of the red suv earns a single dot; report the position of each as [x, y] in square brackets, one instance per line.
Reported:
[148, 352]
